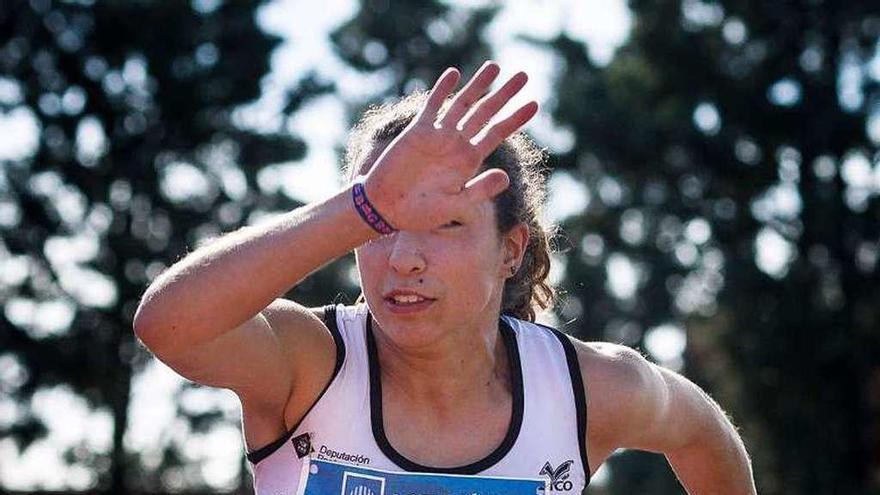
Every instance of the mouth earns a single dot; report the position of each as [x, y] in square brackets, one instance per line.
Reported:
[407, 302]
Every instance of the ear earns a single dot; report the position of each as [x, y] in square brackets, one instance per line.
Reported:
[514, 243]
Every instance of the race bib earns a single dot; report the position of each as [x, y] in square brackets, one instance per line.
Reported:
[330, 478]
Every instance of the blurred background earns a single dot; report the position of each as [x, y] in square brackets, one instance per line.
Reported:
[715, 172]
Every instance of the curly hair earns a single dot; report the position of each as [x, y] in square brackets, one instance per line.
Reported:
[522, 201]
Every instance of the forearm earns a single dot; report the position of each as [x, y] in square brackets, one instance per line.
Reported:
[223, 284]
[715, 462]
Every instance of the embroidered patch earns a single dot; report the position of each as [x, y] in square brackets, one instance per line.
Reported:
[303, 445]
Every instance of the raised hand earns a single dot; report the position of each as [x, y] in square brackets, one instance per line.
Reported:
[427, 175]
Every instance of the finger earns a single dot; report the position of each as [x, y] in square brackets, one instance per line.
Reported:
[490, 105]
[442, 88]
[473, 90]
[485, 186]
[493, 136]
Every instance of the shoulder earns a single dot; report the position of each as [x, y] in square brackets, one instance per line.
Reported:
[303, 328]
[603, 365]
[624, 392]
[633, 403]
[288, 315]
[612, 367]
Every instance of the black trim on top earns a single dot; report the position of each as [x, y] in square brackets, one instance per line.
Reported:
[265, 451]
[509, 337]
[580, 399]
[329, 319]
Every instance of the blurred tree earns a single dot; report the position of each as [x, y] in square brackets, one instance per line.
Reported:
[731, 161]
[135, 158]
[411, 43]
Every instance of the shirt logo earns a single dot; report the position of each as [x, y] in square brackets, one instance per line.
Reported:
[558, 477]
[303, 445]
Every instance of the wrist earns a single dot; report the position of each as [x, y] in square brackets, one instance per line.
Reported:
[367, 211]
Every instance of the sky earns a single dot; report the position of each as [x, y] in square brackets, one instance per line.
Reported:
[601, 24]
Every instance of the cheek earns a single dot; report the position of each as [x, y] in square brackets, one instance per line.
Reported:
[368, 259]
[476, 266]
[372, 250]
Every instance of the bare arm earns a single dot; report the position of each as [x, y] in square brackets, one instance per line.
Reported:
[636, 404]
[214, 317]
[226, 283]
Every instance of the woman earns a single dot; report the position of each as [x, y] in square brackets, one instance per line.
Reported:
[441, 371]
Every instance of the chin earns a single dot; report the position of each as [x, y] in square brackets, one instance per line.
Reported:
[407, 330]
[410, 334]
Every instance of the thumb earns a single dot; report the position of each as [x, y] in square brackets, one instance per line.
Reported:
[486, 185]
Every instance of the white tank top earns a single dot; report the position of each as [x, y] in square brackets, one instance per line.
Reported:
[546, 438]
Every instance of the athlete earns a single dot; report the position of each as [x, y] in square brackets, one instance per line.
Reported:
[440, 370]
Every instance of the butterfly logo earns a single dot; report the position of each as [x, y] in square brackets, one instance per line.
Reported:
[558, 477]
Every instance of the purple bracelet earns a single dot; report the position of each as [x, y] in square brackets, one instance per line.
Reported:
[366, 209]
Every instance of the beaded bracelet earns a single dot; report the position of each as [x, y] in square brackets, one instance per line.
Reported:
[366, 209]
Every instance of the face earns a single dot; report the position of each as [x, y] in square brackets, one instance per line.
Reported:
[448, 281]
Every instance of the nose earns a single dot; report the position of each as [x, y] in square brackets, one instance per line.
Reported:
[406, 254]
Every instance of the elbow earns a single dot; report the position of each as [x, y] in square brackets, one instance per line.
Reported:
[147, 327]
[141, 323]
[164, 329]
[158, 337]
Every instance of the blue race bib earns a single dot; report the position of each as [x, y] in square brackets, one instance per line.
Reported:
[330, 478]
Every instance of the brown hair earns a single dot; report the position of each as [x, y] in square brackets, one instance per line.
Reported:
[524, 163]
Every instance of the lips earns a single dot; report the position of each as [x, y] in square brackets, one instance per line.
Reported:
[406, 301]
[404, 296]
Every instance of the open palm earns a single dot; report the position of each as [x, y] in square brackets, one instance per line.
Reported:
[427, 175]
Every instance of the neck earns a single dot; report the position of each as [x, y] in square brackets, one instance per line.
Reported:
[469, 363]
